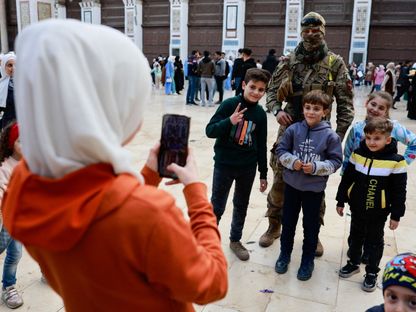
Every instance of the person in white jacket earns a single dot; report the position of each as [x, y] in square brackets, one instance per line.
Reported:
[10, 154]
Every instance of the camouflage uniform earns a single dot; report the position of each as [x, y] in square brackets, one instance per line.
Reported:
[299, 76]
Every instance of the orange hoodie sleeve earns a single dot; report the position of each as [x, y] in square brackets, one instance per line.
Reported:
[150, 177]
[185, 260]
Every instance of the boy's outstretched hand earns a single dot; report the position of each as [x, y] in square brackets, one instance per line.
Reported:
[263, 185]
[393, 224]
[340, 211]
[238, 115]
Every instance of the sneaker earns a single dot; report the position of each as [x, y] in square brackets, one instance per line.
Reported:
[349, 270]
[305, 271]
[370, 282]
[11, 297]
[282, 263]
[240, 251]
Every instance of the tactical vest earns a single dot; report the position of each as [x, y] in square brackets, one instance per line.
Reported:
[307, 77]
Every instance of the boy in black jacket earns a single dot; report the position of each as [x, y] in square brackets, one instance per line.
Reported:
[374, 185]
[240, 128]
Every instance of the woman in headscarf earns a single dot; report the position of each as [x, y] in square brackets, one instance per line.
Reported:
[7, 108]
[105, 237]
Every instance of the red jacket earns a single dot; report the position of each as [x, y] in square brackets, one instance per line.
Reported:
[108, 243]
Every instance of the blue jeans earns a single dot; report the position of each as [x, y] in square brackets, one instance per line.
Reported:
[310, 202]
[221, 184]
[13, 255]
[192, 87]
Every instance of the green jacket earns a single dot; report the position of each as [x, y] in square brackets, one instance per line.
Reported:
[243, 145]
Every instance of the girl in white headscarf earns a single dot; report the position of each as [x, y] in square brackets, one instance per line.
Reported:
[104, 236]
[7, 108]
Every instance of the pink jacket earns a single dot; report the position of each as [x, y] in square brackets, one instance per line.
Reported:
[379, 77]
[6, 170]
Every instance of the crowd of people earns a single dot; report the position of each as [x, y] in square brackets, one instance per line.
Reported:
[394, 78]
[100, 228]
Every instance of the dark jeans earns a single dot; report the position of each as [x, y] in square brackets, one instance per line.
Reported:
[221, 184]
[370, 230]
[310, 202]
[220, 86]
[192, 88]
[238, 85]
[400, 91]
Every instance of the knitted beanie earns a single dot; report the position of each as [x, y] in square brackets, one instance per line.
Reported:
[313, 20]
[401, 271]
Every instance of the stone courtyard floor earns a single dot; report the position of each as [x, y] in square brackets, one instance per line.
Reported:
[325, 291]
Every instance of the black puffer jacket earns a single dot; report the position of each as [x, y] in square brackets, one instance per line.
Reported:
[374, 183]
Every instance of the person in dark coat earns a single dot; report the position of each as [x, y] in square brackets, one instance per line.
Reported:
[271, 62]
[179, 75]
[248, 63]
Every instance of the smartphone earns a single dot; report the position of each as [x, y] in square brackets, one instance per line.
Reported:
[173, 143]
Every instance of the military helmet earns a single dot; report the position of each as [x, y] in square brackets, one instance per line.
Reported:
[313, 20]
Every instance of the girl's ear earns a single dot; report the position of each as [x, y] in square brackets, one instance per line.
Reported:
[326, 112]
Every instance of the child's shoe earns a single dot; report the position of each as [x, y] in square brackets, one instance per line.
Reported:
[240, 251]
[11, 297]
[282, 263]
[305, 271]
[370, 282]
[349, 270]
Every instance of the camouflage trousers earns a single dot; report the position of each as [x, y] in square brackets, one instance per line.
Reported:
[275, 198]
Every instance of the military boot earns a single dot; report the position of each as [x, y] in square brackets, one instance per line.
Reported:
[272, 232]
[319, 249]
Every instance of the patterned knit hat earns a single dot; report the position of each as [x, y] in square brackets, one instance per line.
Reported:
[313, 20]
[401, 271]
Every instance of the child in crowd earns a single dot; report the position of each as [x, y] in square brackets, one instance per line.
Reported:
[374, 185]
[399, 285]
[240, 128]
[378, 104]
[310, 151]
[10, 154]
[157, 71]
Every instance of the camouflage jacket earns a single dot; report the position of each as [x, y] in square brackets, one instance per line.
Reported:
[330, 75]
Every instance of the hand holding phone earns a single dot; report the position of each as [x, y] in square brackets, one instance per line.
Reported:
[173, 143]
[187, 174]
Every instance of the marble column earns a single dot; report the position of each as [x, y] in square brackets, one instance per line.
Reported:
[90, 11]
[179, 28]
[294, 14]
[133, 19]
[233, 27]
[32, 11]
[4, 44]
[60, 9]
[360, 31]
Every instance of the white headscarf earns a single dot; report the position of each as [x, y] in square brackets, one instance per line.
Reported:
[5, 79]
[80, 91]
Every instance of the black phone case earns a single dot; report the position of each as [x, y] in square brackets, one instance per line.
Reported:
[173, 143]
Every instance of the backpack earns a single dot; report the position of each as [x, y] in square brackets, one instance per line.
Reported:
[227, 69]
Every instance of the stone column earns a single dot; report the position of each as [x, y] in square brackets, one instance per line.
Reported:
[179, 28]
[233, 27]
[90, 11]
[294, 14]
[133, 10]
[32, 11]
[60, 9]
[4, 41]
[360, 31]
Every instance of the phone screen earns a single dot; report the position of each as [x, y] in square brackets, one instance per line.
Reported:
[173, 143]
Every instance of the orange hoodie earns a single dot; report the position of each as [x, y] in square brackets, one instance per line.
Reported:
[108, 243]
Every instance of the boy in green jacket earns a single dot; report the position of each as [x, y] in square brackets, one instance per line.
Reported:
[240, 129]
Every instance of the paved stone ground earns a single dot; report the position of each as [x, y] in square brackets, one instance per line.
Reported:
[325, 291]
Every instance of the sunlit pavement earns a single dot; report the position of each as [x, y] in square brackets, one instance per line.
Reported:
[254, 285]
